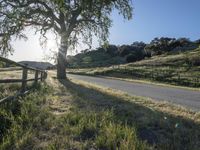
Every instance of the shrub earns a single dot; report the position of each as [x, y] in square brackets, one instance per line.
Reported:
[193, 60]
[112, 50]
[135, 56]
[197, 41]
[138, 45]
[131, 58]
[125, 50]
[147, 53]
[2, 64]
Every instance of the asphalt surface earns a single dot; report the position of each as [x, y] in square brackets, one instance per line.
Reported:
[184, 97]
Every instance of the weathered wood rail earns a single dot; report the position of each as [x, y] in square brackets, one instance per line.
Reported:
[40, 75]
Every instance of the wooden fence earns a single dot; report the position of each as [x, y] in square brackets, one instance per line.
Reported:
[40, 75]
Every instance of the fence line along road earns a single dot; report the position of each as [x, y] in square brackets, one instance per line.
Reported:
[40, 75]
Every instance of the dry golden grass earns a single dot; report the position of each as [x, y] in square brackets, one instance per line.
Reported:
[166, 107]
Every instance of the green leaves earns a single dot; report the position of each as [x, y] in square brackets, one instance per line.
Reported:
[74, 18]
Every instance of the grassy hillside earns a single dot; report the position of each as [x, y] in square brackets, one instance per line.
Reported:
[179, 69]
[114, 55]
[94, 59]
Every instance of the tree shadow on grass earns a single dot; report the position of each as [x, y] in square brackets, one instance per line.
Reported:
[157, 128]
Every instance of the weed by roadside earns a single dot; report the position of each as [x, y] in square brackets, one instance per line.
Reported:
[35, 125]
[21, 120]
[161, 125]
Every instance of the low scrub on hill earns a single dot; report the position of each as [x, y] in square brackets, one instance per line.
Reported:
[94, 59]
[114, 55]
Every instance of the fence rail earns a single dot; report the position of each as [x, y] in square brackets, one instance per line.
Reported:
[40, 75]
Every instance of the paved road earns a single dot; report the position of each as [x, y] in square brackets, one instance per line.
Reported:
[184, 97]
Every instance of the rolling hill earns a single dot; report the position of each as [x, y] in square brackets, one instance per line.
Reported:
[174, 68]
[39, 65]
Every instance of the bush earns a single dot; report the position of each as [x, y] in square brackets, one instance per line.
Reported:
[193, 61]
[131, 58]
[135, 56]
[125, 50]
[148, 53]
[197, 41]
[138, 45]
[2, 64]
[162, 45]
[112, 50]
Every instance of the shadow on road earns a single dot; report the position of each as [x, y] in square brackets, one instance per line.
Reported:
[157, 128]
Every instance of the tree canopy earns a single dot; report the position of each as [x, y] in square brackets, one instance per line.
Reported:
[76, 17]
[68, 19]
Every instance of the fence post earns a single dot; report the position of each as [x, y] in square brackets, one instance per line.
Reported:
[36, 76]
[45, 75]
[24, 78]
[152, 72]
[41, 76]
[179, 77]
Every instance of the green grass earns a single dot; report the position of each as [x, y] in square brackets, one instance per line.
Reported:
[85, 130]
[175, 69]
[10, 89]
[162, 125]
[70, 114]
[2, 64]
[20, 120]
[34, 122]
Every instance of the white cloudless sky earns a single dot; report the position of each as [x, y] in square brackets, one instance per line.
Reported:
[32, 50]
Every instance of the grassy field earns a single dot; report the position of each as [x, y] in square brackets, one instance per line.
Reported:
[72, 114]
[176, 69]
[9, 89]
[48, 118]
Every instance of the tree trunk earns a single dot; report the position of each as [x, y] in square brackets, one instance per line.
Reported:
[61, 58]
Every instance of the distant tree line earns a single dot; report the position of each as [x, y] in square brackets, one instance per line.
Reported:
[139, 50]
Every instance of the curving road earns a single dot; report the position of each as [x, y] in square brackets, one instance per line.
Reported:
[184, 97]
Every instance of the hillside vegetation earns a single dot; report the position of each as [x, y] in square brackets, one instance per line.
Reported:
[180, 69]
[95, 58]
[114, 55]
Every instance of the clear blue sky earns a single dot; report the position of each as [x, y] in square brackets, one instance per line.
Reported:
[157, 18]
[152, 18]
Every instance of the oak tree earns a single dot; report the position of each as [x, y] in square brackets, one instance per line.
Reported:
[69, 19]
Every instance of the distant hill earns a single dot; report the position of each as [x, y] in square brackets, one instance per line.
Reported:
[95, 58]
[137, 51]
[39, 65]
